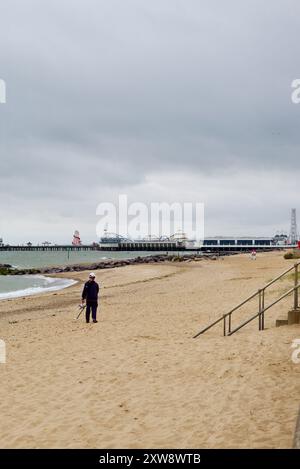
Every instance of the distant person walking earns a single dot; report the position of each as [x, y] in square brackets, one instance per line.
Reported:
[90, 295]
[253, 255]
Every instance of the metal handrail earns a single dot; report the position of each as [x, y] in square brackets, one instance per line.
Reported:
[281, 275]
[265, 309]
[262, 308]
[225, 315]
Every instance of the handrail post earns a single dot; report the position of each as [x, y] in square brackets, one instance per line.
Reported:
[259, 310]
[224, 325]
[263, 309]
[296, 289]
[229, 323]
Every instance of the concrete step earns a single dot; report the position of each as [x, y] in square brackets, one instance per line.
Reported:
[293, 318]
[281, 322]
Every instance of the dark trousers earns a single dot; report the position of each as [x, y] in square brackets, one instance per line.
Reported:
[91, 305]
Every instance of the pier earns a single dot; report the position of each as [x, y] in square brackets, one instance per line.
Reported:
[50, 248]
[214, 246]
[113, 242]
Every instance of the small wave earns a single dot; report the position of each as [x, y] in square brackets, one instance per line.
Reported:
[50, 284]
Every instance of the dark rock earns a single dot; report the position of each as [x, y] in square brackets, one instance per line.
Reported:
[6, 269]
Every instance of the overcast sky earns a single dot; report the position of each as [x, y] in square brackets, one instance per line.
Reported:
[163, 100]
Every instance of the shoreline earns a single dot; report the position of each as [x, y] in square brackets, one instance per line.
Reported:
[54, 271]
[49, 272]
[46, 285]
[7, 269]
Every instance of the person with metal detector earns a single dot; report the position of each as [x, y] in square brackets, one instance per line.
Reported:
[90, 296]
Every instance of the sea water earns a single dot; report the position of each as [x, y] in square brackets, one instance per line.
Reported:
[28, 259]
[13, 286]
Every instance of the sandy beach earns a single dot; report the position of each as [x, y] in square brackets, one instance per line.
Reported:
[137, 379]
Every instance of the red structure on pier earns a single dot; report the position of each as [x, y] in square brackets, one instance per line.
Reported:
[76, 239]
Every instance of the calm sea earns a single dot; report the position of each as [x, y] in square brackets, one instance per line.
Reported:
[52, 258]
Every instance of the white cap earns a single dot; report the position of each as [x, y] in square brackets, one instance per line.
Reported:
[92, 275]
